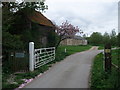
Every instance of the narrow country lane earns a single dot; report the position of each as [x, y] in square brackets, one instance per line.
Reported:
[73, 72]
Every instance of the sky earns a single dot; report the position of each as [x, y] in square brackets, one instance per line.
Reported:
[89, 15]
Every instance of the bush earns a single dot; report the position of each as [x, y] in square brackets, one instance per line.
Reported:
[11, 42]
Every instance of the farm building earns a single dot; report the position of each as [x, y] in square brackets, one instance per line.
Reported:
[34, 26]
[76, 40]
[27, 26]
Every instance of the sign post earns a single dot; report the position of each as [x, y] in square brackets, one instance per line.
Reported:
[107, 52]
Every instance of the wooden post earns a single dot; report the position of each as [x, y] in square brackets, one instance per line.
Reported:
[107, 52]
[31, 56]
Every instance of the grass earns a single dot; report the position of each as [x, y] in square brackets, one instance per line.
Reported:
[60, 55]
[73, 49]
[101, 79]
[102, 47]
[115, 56]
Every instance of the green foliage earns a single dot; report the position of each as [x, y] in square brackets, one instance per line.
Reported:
[12, 23]
[11, 42]
[101, 47]
[15, 6]
[60, 54]
[115, 55]
[106, 38]
[52, 39]
[14, 31]
[118, 40]
[101, 79]
[95, 38]
[113, 38]
[10, 86]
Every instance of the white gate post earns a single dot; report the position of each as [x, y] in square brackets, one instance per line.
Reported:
[31, 56]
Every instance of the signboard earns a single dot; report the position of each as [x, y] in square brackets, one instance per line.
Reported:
[19, 55]
[107, 50]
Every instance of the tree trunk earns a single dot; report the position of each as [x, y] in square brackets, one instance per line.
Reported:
[57, 44]
[61, 39]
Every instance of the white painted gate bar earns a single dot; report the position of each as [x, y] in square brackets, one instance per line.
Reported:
[44, 56]
[40, 57]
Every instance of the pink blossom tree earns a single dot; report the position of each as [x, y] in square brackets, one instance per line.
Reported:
[66, 30]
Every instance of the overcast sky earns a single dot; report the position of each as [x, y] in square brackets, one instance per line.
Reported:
[89, 15]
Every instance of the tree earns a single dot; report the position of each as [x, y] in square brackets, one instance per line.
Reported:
[113, 38]
[13, 41]
[106, 38]
[16, 6]
[95, 38]
[118, 40]
[9, 8]
[66, 30]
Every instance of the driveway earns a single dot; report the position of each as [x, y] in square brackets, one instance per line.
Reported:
[72, 72]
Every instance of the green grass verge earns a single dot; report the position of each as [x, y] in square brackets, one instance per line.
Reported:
[60, 55]
[73, 49]
[101, 79]
[115, 55]
[102, 47]
[19, 76]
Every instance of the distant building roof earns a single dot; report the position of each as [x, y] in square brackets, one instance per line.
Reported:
[39, 18]
[78, 37]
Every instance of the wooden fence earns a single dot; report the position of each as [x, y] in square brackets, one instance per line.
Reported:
[19, 61]
[22, 61]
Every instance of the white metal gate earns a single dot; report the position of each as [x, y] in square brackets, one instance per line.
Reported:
[44, 56]
[39, 57]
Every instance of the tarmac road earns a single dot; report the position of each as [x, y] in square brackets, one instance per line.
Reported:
[73, 72]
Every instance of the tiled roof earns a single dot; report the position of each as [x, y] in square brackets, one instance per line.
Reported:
[39, 18]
